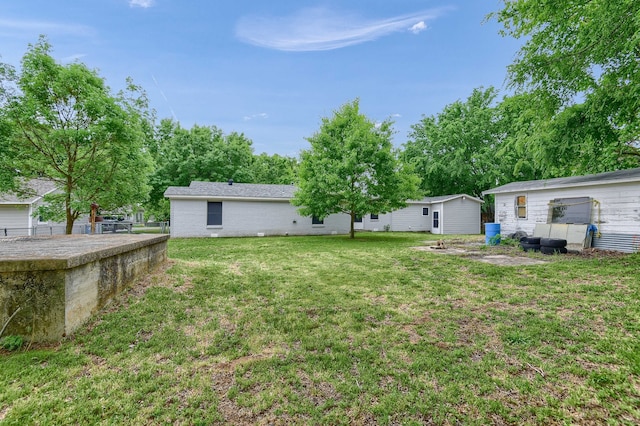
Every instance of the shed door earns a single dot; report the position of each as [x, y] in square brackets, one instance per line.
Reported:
[435, 228]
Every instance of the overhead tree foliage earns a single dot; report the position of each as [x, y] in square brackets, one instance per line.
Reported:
[455, 151]
[206, 153]
[65, 125]
[353, 168]
[581, 63]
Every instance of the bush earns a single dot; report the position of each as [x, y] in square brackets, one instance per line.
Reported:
[509, 241]
[11, 343]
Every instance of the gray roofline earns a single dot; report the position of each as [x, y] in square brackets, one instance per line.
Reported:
[227, 198]
[444, 199]
[29, 200]
[264, 192]
[606, 178]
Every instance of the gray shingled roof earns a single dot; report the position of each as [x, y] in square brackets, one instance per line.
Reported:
[620, 176]
[441, 198]
[237, 190]
[252, 190]
[35, 189]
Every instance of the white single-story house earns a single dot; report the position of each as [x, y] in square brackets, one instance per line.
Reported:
[227, 209]
[610, 201]
[17, 212]
[447, 214]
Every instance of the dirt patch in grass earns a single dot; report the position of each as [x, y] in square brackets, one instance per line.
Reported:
[599, 254]
[162, 277]
[494, 259]
[506, 255]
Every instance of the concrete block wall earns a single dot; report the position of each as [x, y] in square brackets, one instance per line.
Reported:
[56, 294]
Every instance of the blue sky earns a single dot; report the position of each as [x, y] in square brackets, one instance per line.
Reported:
[272, 70]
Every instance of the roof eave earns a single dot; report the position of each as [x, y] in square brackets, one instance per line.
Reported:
[227, 198]
[558, 186]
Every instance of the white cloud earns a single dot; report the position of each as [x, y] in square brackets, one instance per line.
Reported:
[321, 29]
[141, 3]
[43, 27]
[418, 28]
[262, 115]
[73, 58]
[396, 115]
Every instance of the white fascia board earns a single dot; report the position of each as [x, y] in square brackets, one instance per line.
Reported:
[215, 198]
[15, 203]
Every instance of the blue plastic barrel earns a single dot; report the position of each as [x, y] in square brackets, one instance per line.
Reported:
[490, 231]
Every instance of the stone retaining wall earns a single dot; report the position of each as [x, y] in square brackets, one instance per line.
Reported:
[57, 283]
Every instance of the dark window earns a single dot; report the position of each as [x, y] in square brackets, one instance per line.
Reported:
[425, 211]
[374, 216]
[316, 221]
[436, 219]
[214, 213]
[571, 210]
[358, 219]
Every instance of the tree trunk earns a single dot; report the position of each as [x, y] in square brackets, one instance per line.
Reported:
[352, 233]
[70, 220]
[67, 207]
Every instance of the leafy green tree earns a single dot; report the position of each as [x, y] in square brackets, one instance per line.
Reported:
[518, 126]
[542, 143]
[581, 59]
[200, 153]
[8, 172]
[66, 126]
[456, 150]
[275, 169]
[352, 168]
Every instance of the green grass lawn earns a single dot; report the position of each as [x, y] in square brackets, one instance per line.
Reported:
[327, 330]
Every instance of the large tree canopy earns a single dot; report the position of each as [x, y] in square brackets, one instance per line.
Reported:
[581, 52]
[274, 169]
[352, 168]
[63, 124]
[456, 150]
[200, 153]
[205, 153]
[539, 144]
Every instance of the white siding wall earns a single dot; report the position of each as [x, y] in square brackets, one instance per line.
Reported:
[457, 216]
[461, 216]
[376, 224]
[619, 207]
[410, 218]
[249, 218]
[14, 218]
